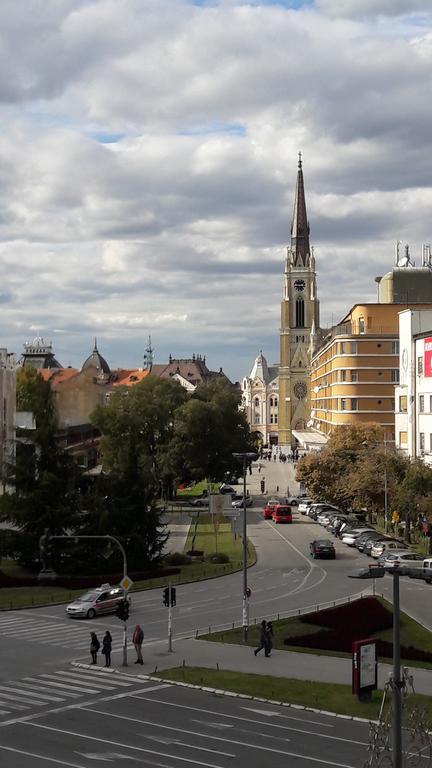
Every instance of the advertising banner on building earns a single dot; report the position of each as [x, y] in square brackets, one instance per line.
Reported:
[427, 367]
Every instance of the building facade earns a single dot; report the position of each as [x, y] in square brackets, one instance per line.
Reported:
[7, 409]
[413, 418]
[260, 400]
[299, 324]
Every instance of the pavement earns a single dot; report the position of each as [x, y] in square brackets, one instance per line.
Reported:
[237, 658]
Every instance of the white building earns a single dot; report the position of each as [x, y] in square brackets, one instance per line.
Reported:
[260, 398]
[7, 408]
[413, 416]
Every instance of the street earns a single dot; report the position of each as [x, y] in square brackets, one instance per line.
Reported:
[159, 724]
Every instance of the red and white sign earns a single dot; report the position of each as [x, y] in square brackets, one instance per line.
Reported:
[427, 367]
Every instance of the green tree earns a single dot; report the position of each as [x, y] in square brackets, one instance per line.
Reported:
[43, 479]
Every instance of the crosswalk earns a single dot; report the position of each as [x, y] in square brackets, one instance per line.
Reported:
[63, 687]
[73, 635]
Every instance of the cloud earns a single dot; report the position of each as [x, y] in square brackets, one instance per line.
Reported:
[148, 158]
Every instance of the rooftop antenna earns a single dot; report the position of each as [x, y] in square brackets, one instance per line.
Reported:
[148, 356]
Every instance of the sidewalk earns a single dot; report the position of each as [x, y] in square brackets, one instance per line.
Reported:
[236, 658]
[278, 478]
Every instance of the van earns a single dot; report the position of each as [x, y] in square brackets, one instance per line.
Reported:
[425, 572]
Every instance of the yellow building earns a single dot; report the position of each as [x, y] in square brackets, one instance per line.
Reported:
[354, 373]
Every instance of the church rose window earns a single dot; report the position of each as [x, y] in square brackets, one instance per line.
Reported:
[300, 390]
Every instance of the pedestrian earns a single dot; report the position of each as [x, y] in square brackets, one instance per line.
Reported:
[137, 639]
[269, 638]
[259, 468]
[94, 647]
[263, 637]
[106, 648]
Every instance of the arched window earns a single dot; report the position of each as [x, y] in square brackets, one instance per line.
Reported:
[271, 402]
[300, 312]
[256, 401]
[275, 402]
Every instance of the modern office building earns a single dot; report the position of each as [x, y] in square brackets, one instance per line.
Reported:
[413, 395]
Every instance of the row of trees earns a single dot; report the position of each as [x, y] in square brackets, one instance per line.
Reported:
[354, 468]
[154, 436]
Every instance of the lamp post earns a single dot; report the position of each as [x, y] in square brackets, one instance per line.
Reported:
[245, 457]
[376, 572]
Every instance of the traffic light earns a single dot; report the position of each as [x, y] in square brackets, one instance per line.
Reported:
[167, 598]
[122, 611]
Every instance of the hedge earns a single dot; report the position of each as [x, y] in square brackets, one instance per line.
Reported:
[84, 582]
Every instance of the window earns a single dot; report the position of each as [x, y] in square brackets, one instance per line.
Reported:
[275, 402]
[343, 405]
[343, 375]
[257, 418]
[354, 403]
[271, 418]
[275, 418]
[354, 376]
[419, 366]
[342, 348]
[422, 441]
[395, 347]
[361, 325]
[403, 438]
[403, 404]
[353, 347]
[256, 402]
[271, 402]
[300, 313]
[392, 405]
[421, 403]
[394, 375]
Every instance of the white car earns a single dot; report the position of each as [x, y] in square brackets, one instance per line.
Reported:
[350, 536]
[384, 546]
[402, 560]
[103, 599]
[304, 506]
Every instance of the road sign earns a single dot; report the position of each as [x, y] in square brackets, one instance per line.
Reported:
[126, 583]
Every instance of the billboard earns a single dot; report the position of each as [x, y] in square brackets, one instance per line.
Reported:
[427, 366]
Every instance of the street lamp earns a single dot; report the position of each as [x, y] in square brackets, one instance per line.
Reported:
[245, 457]
[376, 572]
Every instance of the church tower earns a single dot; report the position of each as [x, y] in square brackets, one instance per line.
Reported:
[299, 323]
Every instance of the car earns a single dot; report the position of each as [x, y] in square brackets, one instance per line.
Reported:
[282, 514]
[268, 509]
[425, 572]
[200, 502]
[322, 548]
[365, 537]
[386, 545]
[101, 600]
[238, 502]
[304, 505]
[350, 537]
[224, 488]
[404, 561]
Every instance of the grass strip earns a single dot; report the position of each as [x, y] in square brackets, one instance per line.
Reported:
[330, 697]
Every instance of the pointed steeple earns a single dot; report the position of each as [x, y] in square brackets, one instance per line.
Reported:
[300, 226]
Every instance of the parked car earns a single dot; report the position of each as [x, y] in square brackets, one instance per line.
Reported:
[386, 545]
[425, 572]
[304, 505]
[224, 488]
[319, 508]
[238, 502]
[351, 525]
[350, 537]
[322, 548]
[365, 537]
[282, 514]
[404, 561]
[200, 502]
[101, 600]
[268, 509]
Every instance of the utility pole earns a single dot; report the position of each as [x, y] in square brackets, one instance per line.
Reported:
[245, 458]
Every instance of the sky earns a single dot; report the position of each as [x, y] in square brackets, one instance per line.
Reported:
[148, 159]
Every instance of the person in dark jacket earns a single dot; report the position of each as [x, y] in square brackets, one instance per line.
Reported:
[138, 639]
[263, 637]
[106, 648]
[94, 646]
[269, 638]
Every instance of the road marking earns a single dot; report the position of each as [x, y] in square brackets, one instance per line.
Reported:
[71, 686]
[93, 676]
[83, 680]
[128, 746]
[181, 743]
[35, 684]
[29, 693]
[8, 696]
[54, 685]
[12, 706]
[44, 758]
[270, 713]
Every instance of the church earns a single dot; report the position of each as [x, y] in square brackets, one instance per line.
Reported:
[277, 399]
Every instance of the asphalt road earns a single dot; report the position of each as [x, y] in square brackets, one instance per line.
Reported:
[158, 724]
[284, 579]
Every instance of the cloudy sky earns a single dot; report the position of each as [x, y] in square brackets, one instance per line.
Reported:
[148, 156]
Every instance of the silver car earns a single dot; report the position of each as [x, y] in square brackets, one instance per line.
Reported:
[103, 599]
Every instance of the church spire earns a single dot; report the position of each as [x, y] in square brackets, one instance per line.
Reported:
[300, 226]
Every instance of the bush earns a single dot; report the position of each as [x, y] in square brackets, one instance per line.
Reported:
[177, 558]
[217, 557]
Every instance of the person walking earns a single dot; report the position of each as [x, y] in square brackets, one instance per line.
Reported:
[269, 639]
[106, 648]
[263, 637]
[94, 647]
[137, 639]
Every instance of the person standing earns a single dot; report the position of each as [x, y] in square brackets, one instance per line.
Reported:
[263, 638]
[137, 639]
[269, 638]
[106, 648]
[94, 647]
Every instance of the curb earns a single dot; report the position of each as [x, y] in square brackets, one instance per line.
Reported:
[223, 692]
